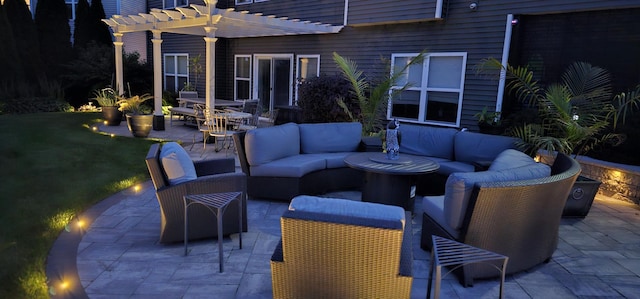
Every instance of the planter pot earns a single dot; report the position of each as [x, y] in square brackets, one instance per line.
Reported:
[140, 125]
[581, 197]
[112, 116]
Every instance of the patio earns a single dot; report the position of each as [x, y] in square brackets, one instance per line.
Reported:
[119, 256]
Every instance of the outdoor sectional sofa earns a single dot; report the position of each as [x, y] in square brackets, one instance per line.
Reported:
[514, 208]
[287, 160]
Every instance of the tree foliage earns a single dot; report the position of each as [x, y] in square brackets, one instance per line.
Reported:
[54, 35]
[82, 33]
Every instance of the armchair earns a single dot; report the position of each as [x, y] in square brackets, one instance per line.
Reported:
[211, 176]
[338, 248]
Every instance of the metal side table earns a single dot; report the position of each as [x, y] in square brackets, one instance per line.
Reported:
[217, 203]
[446, 252]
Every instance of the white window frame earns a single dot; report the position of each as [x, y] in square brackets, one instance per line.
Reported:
[175, 4]
[237, 78]
[299, 78]
[242, 2]
[175, 74]
[424, 88]
[73, 4]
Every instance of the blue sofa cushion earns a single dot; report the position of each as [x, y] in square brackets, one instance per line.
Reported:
[449, 167]
[293, 166]
[460, 185]
[264, 145]
[345, 207]
[330, 137]
[334, 160]
[477, 147]
[427, 141]
[510, 158]
[176, 163]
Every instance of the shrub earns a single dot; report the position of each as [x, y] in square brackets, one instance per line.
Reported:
[318, 99]
[34, 105]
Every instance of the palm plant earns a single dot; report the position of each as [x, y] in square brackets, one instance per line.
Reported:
[133, 104]
[372, 99]
[106, 97]
[574, 115]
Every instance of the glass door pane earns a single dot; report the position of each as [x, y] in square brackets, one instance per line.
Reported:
[264, 82]
[281, 81]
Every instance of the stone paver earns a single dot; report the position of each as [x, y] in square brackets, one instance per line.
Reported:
[119, 255]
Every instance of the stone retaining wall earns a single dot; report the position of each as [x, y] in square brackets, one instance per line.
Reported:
[618, 181]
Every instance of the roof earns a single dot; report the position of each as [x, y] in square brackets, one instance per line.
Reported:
[228, 22]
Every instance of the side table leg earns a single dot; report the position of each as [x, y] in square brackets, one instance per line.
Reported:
[219, 218]
[432, 262]
[186, 225]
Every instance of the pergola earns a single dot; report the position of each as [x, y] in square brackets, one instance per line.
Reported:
[206, 21]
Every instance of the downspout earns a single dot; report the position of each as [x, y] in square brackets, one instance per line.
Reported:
[505, 60]
[346, 12]
[439, 9]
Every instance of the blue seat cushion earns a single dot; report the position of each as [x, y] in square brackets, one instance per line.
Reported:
[345, 207]
[335, 160]
[293, 166]
[264, 145]
[177, 164]
[459, 187]
[330, 137]
[449, 167]
[434, 207]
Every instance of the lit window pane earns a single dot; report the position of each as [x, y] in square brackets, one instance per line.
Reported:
[444, 72]
[413, 75]
[243, 67]
[169, 65]
[406, 105]
[183, 65]
[308, 67]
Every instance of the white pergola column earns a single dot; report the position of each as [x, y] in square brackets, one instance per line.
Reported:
[210, 69]
[158, 117]
[118, 56]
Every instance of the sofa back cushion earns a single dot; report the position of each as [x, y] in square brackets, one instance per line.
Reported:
[264, 145]
[427, 141]
[510, 158]
[177, 164]
[477, 147]
[330, 137]
[460, 185]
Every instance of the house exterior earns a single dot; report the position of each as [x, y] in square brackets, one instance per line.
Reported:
[446, 89]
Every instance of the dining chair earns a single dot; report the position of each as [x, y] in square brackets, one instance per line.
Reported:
[199, 111]
[218, 127]
[268, 119]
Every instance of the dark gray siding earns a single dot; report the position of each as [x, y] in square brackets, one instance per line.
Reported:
[479, 33]
[383, 11]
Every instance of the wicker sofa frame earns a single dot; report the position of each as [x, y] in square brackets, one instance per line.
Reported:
[214, 175]
[286, 188]
[519, 219]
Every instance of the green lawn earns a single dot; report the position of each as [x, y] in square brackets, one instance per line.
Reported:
[53, 167]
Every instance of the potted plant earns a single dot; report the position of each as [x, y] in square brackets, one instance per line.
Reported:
[489, 122]
[107, 99]
[574, 116]
[139, 120]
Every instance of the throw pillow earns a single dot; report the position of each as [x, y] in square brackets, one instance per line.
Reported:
[177, 164]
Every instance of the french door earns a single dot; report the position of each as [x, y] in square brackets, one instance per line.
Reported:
[274, 77]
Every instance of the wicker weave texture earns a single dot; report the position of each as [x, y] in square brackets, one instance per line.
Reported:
[330, 260]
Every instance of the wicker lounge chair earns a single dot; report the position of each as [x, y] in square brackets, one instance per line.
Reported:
[327, 255]
[519, 219]
[213, 176]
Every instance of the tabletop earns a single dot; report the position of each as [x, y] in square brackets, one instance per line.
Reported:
[378, 162]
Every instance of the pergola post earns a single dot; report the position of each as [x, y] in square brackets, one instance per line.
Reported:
[158, 116]
[118, 60]
[210, 78]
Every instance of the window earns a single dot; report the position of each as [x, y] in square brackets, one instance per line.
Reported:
[176, 71]
[308, 66]
[71, 8]
[242, 75]
[174, 3]
[435, 89]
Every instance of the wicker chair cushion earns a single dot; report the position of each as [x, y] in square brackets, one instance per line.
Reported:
[476, 147]
[330, 137]
[427, 141]
[177, 164]
[349, 208]
[460, 185]
[510, 158]
[269, 144]
[434, 207]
